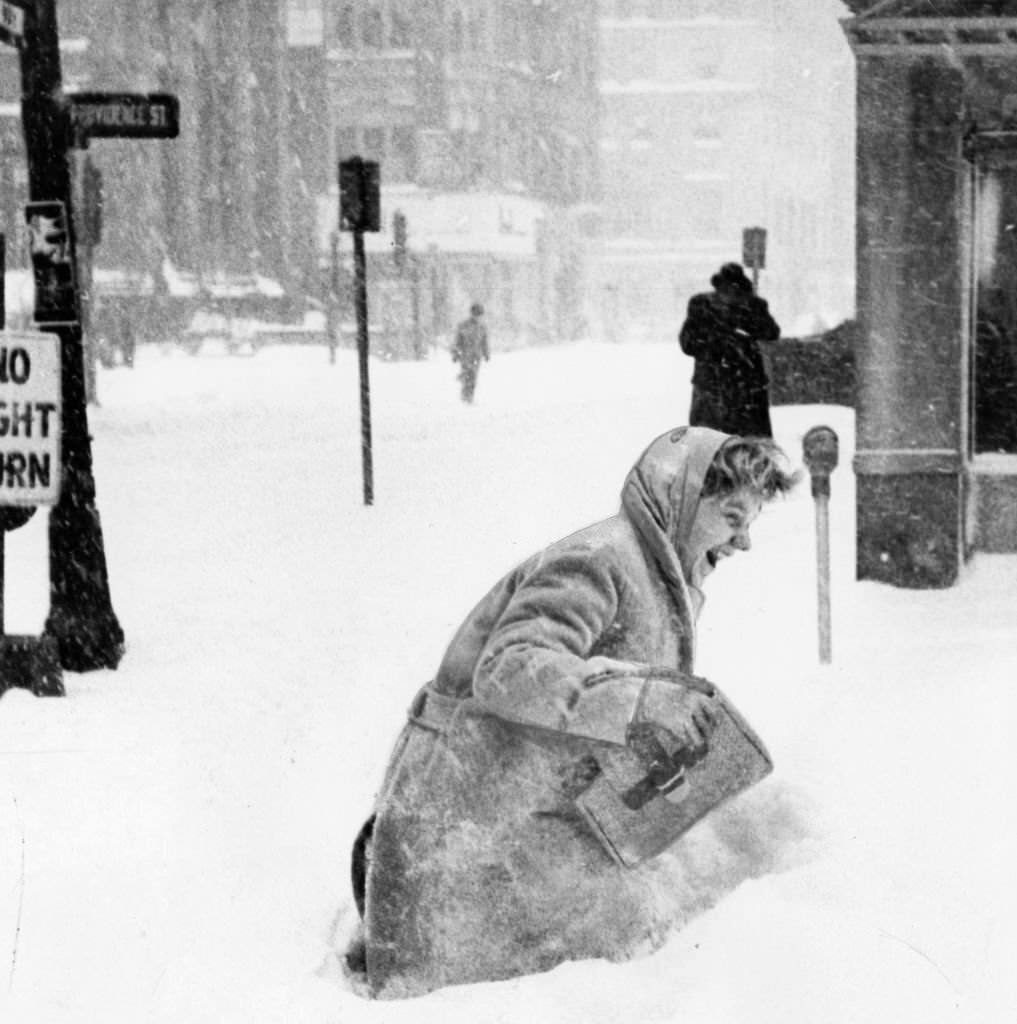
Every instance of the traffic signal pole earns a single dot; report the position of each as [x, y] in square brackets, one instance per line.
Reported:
[360, 288]
[360, 211]
[81, 618]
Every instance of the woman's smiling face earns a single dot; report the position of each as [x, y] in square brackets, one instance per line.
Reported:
[721, 528]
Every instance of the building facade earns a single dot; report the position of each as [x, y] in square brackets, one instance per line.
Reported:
[215, 200]
[482, 116]
[720, 115]
[936, 458]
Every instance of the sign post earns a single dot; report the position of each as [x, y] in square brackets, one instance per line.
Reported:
[821, 449]
[81, 620]
[360, 211]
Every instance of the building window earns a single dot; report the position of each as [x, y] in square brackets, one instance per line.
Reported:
[403, 155]
[372, 26]
[345, 142]
[705, 209]
[400, 26]
[479, 32]
[344, 32]
[305, 23]
[374, 144]
[706, 132]
[457, 32]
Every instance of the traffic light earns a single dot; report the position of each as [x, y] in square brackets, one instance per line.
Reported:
[399, 238]
[359, 195]
[92, 198]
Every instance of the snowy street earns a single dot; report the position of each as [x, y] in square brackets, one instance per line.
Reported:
[175, 835]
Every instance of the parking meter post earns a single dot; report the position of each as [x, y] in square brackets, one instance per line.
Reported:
[820, 448]
[3, 287]
[823, 576]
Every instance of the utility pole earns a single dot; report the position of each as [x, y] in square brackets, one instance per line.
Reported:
[81, 618]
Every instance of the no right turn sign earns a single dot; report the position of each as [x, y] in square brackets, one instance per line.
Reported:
[29, 418]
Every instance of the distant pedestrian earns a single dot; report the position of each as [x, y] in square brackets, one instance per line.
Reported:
[722, 332]
[469, 348]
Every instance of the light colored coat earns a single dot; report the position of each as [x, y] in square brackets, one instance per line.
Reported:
[481, 867]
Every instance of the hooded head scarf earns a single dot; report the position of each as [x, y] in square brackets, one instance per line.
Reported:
[661, 496]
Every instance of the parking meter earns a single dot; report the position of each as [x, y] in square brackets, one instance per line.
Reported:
[820, 451]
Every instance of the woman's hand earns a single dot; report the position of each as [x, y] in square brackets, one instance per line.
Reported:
[685, 710]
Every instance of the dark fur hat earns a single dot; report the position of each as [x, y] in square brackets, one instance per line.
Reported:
[731, 276]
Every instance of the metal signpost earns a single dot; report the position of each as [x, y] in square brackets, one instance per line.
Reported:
[81, 619]
[360, 211]
[821, 449]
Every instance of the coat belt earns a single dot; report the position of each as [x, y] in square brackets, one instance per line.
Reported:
[432, 710]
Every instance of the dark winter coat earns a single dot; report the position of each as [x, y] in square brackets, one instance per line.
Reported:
[470, 344]
[481, 867]
[729, 385]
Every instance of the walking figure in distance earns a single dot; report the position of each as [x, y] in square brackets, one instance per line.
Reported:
[469, 348]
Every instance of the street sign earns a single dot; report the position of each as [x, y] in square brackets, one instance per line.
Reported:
[49, 245]
[12, 23]
[359, 195]
[754, 248]
[30, 414]
[124, 115]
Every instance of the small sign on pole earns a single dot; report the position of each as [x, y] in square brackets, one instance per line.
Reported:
[754, 252]
[56, 295]
[821, 450]
[12, 23]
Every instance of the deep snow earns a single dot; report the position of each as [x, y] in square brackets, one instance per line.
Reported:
[174, 835]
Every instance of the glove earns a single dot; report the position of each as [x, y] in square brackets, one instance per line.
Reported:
[674, 718]
[682, 708]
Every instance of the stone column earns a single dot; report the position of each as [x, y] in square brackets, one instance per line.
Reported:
[911, 292]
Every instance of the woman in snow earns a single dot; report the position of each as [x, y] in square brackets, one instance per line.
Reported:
[479, 862]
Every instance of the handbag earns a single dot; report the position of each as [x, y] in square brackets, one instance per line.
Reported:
[644, 797]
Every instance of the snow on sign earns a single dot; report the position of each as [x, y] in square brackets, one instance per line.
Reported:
[29, 418]
[125, 115]
[12, 23]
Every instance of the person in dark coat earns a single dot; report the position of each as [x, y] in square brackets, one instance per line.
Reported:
[722, 332]
[469, 348]
[478, 864]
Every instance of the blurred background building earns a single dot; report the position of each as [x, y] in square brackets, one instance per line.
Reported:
[483, 118]
[720, 115]
[579, 166]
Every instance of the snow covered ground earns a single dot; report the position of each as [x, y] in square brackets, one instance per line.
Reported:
[174, 835]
